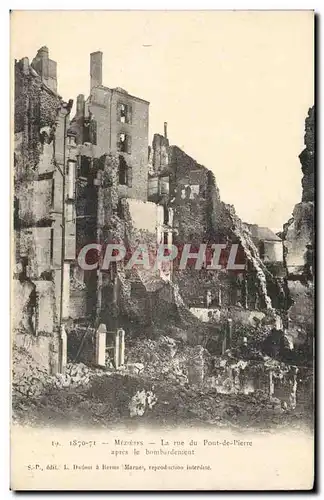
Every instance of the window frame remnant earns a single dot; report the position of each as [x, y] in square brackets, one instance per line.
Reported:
[122, 171]
[125, 113]
[124, 143]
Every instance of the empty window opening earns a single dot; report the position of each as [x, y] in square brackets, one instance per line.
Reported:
[71, 140]
[125, 114]
[122, 173]
[85, 166]
[93, 132]
[124, 143]
[53, 193]
[16, 211]
[71, 179]
[86, 130]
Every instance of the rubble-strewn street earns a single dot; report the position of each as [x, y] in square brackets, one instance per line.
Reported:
[155, 391]
[105, 400]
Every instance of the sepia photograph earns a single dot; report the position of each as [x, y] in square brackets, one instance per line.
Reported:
[162, 250]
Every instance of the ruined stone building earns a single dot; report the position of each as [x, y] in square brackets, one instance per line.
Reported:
[113, 121]
[110, 130]
[44, 211]
[95, 179]
[199, 216]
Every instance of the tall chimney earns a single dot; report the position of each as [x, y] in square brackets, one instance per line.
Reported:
[95, 69]
[166, 130]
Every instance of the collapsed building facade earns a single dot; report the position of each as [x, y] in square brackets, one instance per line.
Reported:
[299, 244]
[200, 217]
[95, 179]
[44, 244]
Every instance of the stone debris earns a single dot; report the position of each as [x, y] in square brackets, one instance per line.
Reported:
[111, 396]
[30, 381]
[134, 368]
[76, 375]
[151, 399]
[137, 404]
[190, 385]
[196, 368]
[140, 402]
[27, 378]
[79, 375]
[165, 358]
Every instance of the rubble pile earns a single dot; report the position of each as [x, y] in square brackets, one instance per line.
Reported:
[76, 375]
[233, 410]
[161, 389]
[28, 380]
[243, 234]
[120, 229]
[169, 359]
[141, 402]
[160, 359]
[230, 375]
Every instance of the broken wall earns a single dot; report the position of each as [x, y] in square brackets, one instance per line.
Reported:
[299, 231]
[39, 156]
[298, 235]
[138, 284]
[115, 293]
[201, 217]
[102, 111]
[190, 185]
[159, 154]
[299, 245]
[35, 108]
[35, 201]
[43, 351]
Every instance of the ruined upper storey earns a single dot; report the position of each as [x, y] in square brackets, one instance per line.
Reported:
[112, 121]
[46, 68]
[36, 98]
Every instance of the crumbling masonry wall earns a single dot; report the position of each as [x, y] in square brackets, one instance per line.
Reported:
[36, 108]
[201, 217]
[299, 244]
[38, 149]
[298, 232]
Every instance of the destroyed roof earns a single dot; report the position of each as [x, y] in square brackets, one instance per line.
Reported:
[262, 233]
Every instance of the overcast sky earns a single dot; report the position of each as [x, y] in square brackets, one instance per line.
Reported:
[234, 87]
